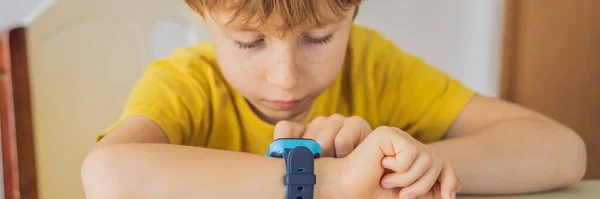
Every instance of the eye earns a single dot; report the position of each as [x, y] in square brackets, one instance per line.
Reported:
[244, 45]
[318, 41]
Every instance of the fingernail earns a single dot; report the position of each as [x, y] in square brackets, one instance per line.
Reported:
[410, 196]
[453, 194]
[388, 186]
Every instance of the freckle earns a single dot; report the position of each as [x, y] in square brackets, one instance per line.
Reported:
[254, 64]
[251, 70]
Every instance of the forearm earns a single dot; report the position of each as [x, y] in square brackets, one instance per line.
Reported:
[169, 171]
[516, 156]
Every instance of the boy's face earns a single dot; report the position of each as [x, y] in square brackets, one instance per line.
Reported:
[279, 75]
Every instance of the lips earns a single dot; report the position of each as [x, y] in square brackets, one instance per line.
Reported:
[283, 105]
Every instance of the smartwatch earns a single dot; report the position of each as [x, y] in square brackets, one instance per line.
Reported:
[299, 157]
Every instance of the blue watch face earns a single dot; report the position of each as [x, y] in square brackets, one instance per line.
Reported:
[279, 146]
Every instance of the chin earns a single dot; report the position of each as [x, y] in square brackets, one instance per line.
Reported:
[281, 115]
[274, 116]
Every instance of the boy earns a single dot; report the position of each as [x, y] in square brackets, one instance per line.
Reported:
[199, 122]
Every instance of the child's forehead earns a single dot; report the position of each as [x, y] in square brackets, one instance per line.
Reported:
[273, 24]
[277, 20]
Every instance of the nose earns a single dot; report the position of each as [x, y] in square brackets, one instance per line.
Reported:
[284, 72]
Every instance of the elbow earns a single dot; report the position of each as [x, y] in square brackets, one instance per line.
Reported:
[102, 174]
[575, 158]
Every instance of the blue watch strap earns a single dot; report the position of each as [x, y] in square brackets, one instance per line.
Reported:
[299, 178]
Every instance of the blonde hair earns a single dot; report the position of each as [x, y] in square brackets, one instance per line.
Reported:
[293, 14]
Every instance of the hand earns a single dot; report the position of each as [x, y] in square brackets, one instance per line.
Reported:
[337, 135]
[435, 193]
[408, 167]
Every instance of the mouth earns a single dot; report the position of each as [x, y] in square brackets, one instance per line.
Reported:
[284, 104]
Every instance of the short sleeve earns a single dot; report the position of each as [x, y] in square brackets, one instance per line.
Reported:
[420, 99]
[172, 93]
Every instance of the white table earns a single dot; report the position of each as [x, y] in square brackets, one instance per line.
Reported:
[583, 190]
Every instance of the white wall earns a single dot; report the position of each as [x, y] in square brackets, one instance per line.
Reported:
[461, 37]
[14, 11]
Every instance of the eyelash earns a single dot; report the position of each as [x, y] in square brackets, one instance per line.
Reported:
[316, 41]
[319, 41]
[249, 45]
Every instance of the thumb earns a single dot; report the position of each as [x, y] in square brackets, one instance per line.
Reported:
[381, 143]
[287, 129]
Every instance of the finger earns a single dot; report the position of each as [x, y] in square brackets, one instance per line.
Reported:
[450, 184]
[406, 149]
[312, 129]
[366, 128]
[287, 129]
[404, 159]
[424, 184]
[327, 134]
[386, 142]
[418, 168]
[437, 193]
[429, 195]
[349, 136]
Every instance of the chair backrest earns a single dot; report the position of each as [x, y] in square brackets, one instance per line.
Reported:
[85, 56]
[18, 157]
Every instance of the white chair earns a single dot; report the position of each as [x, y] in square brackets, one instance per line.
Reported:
[84, 57]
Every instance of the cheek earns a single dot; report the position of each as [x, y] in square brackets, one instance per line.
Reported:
[323, 63]
[241, 68]
[254, 63]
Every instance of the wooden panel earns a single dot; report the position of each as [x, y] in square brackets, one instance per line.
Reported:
[17, 129]
[511, 32]
[9, 152]
[552, 65]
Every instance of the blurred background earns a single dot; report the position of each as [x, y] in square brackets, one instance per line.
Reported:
[460, 37]
[68, 65]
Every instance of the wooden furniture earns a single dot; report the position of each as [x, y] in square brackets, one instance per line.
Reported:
[18, 158]
[81, 58]
[552, 64]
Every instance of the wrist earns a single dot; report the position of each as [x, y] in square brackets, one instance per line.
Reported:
[328, 173]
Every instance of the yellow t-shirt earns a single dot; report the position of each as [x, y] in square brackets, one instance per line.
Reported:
[187, 96]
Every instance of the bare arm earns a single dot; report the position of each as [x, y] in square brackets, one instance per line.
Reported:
[497, 147]
[134, 161]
